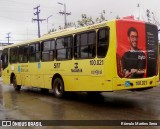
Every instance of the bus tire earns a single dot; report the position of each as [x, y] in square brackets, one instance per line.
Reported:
[14, 82]
[58, 88]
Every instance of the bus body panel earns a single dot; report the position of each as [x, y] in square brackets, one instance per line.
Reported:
[6, 77]
[93, 74]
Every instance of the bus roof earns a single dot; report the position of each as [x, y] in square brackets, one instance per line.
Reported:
[69, 31]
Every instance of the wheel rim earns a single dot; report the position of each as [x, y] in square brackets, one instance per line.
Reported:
[58, 88]
[14, 82]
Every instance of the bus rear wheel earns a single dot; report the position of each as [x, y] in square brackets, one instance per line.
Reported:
[58, 88]
[14, 82]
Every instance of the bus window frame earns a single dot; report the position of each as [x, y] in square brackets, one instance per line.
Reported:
[53, 50]
[35, 52]
[103, 45]
[24, 45]
[5, 64]
[74, 41]
[71, 47]
[14, 54]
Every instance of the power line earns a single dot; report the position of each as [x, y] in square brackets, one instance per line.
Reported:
[9, 18]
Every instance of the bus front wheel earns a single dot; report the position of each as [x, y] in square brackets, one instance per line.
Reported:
[14, 82]
[58, 88]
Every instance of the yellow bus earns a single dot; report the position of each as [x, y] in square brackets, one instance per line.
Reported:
[120, 54]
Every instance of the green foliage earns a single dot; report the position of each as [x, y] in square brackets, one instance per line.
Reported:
[85, 21]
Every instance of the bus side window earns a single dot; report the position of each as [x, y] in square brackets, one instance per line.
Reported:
[76, 46]
[25, 54]
[13, 55]
[64, 48]
[37, 52]
[92, 44]
[85, 45]
[45, 50]
[103, 42]
[4, 58]
[48, 50]
[20, 54]
[34, 52]
[51, 55]
[52, 50]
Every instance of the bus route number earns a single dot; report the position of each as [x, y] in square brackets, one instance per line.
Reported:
[56, 65]
[96, 62]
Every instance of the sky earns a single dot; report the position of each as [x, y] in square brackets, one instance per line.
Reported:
[16, 15]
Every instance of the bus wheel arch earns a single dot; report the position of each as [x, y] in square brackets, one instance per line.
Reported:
[13, 81]
[58, 86]
[11, 77]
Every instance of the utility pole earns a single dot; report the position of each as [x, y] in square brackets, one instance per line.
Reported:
[38, 20]
[64, 13]
[8, 37]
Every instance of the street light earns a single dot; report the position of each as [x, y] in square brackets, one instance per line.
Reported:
[138, 6]
[60, 3]
[47, 20]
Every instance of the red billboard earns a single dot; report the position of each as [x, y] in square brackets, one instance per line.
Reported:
[136, 49]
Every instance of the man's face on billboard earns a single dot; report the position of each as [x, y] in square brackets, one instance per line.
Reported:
[133, 39]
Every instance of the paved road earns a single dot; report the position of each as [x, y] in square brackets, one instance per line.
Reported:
[31, 104]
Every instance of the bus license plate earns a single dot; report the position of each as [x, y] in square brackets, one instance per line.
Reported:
[141, 83]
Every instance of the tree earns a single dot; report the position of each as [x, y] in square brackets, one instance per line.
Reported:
[85, 21]
[71, 24]
[102, 17]
[148, 14]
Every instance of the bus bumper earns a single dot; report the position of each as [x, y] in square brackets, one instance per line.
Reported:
[128, 84]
